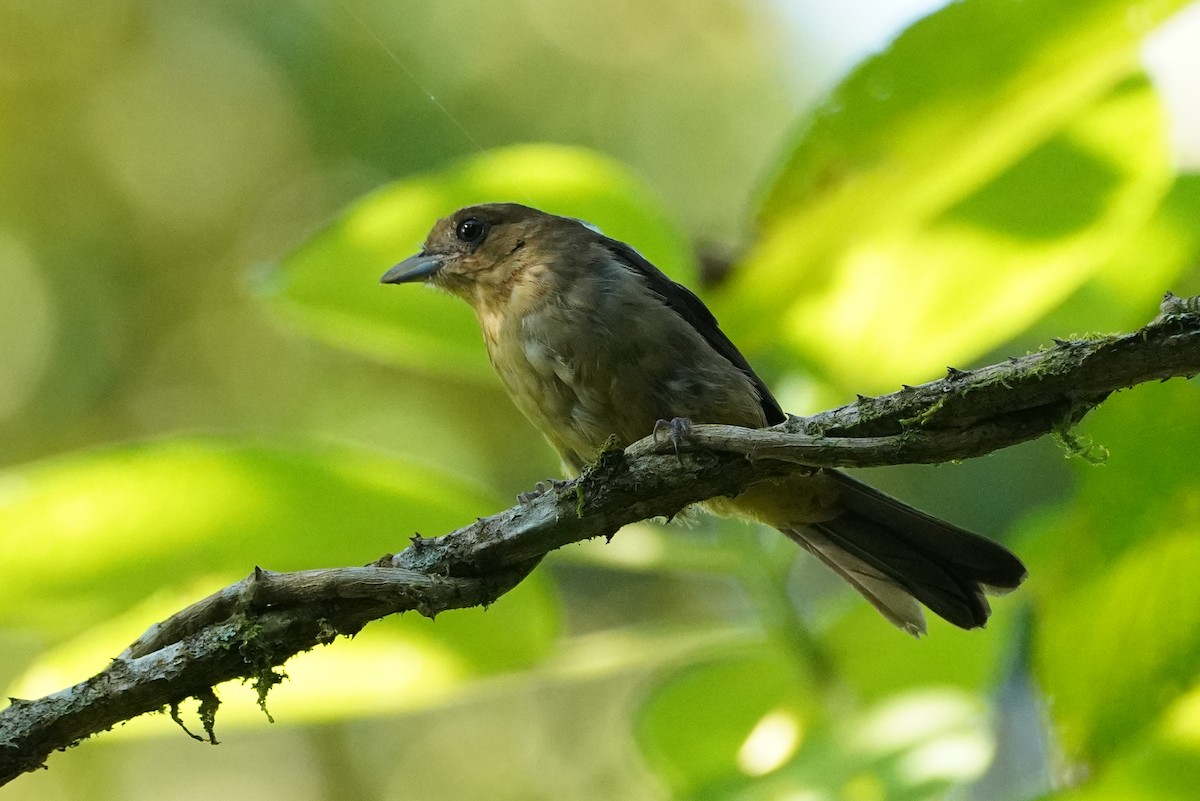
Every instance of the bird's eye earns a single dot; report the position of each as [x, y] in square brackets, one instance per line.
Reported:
[471, 230]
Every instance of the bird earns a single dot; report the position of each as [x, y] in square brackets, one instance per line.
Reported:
[596, 346]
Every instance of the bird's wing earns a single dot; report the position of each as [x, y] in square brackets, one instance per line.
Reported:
[681, 300]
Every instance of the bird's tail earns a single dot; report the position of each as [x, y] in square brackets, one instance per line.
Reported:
[897, 556]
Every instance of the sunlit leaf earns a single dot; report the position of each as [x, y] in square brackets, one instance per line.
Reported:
[88, 535]
[1162, 764]
[1146, 487]
[1117, 575]
[331, 284]
[398, 664]
[1152, 773]
[878, 659]
[744, 728]
[956, 187]
[698, 729]
[100, 545]
[1125, 292]
[1114, 653]
[1155, 260]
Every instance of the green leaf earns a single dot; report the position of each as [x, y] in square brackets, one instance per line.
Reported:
[696, 729]
[1115, 652]
[330, 286]
[1120, 505]
[878, 660]
[88, 535]
[397, 664]
[1154, 771]
[1167, 762]
[955, 188]
[1126, 291]
[1117, 575]
[100, 545]
[744, 727]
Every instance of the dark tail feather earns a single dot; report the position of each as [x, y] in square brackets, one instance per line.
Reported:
[896, 555]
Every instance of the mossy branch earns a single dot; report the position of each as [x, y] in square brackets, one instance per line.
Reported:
[247, 630]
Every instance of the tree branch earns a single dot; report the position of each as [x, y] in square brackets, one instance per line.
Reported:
[246, 630]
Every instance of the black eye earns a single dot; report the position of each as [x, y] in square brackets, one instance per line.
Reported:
[471, 230]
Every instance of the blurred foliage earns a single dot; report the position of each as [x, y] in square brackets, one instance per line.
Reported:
[433, 332]
[194, 382]
[104, 514]
[696, 744]
[1011, 161]
[1130, 577]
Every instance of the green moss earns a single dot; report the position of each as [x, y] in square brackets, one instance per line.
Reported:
[1078, 445]
[919, 421]
[262, 682]
[610, 459]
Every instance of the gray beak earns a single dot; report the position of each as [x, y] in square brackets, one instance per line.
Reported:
[414, 268]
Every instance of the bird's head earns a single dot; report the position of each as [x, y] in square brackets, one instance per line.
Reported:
[477, 252]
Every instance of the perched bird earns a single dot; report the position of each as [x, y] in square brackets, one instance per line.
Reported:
[592, 342]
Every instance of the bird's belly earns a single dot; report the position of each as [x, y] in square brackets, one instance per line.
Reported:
[578, 411]
[584, 380]
[582, 407]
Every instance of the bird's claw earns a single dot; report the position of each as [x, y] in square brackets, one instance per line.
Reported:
[677, 428]
[540, 489]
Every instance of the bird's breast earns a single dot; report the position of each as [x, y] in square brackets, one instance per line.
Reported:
[599, 356]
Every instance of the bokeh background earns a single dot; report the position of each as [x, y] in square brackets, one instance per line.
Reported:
[199, 373]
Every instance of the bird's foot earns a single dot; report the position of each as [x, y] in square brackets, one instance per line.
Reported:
[540, 489]
[677, 428]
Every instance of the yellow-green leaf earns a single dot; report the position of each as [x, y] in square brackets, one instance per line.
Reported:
[86, 536]
[955, 188]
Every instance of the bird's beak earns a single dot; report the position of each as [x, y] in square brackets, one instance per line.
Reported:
[414, 268]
